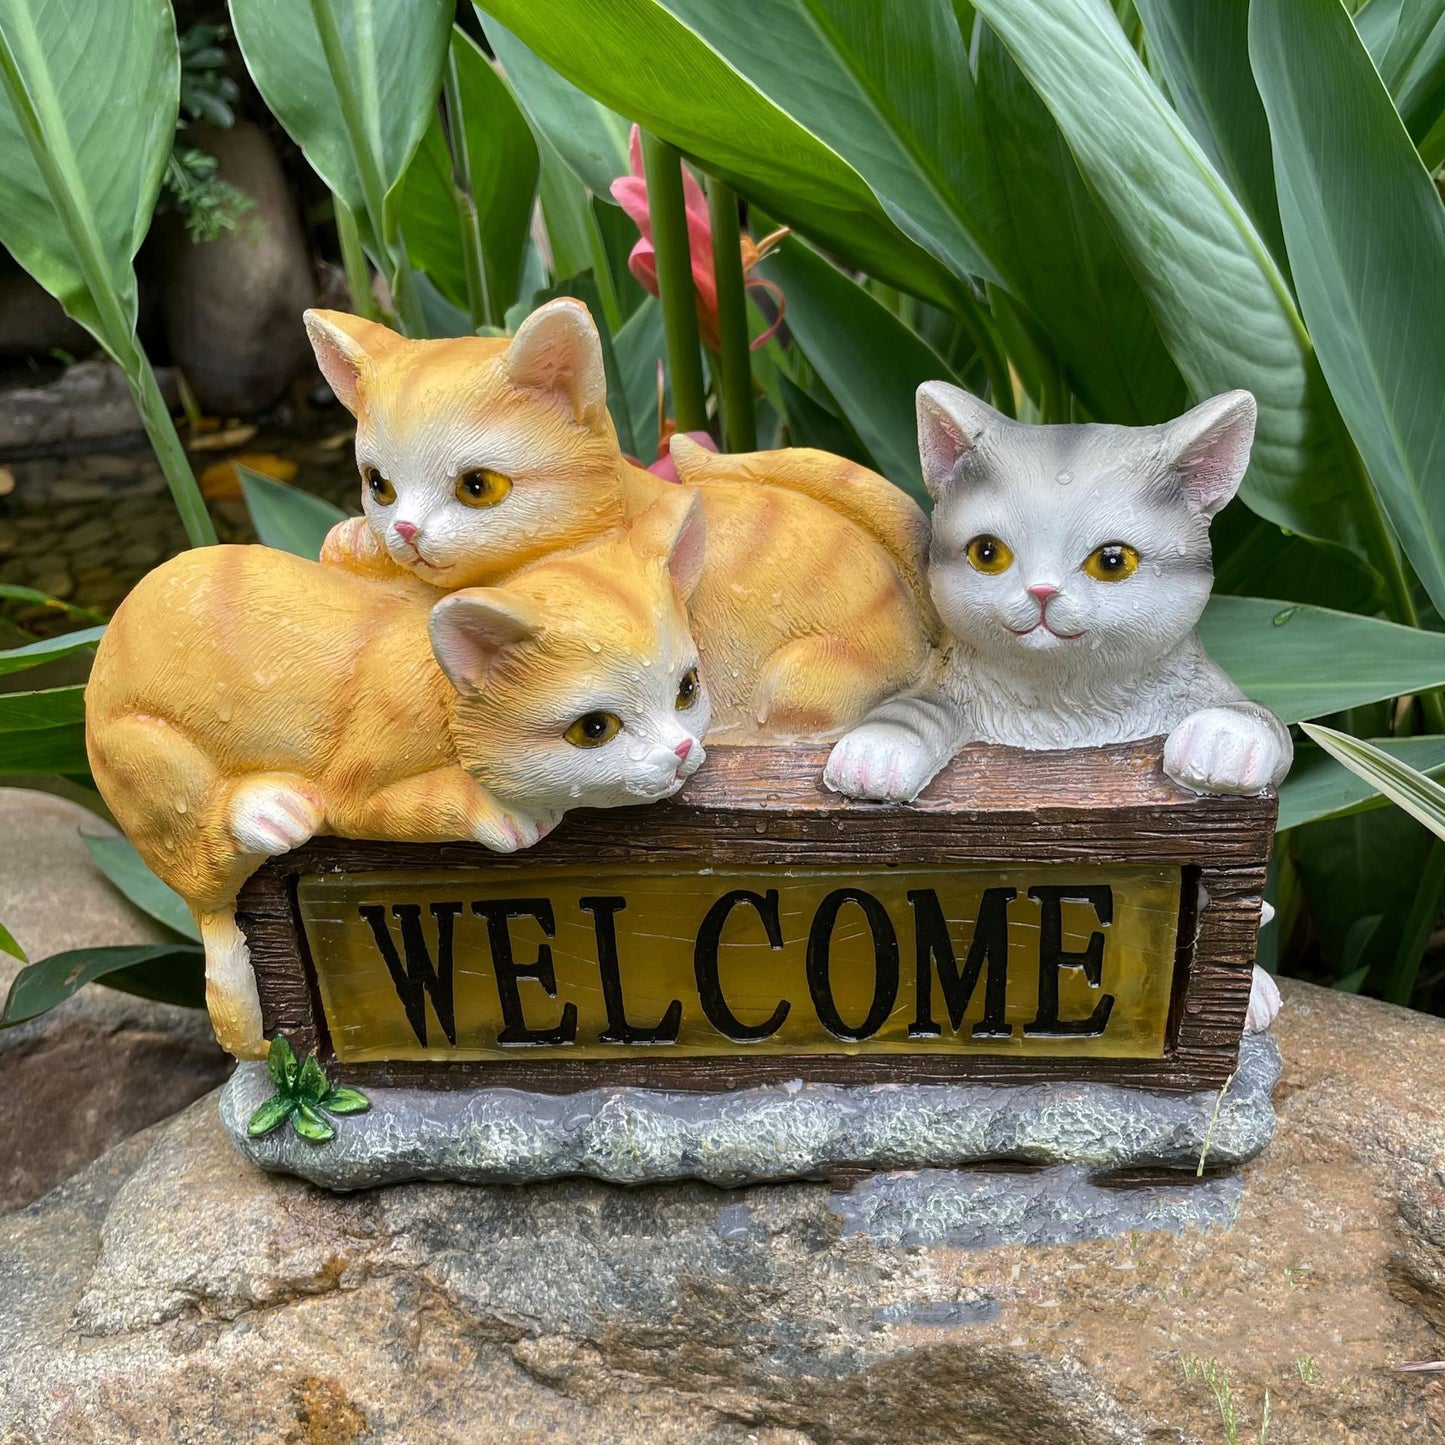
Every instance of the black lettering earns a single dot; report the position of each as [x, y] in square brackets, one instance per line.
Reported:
[1053, 957]
[934, 947]
[509, 972]
[604, 912]
[885, 963]
[705, 965]
[418, 977]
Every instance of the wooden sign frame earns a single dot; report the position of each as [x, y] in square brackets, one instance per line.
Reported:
[762, 808]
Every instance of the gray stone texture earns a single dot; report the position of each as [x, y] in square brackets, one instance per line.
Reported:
[174, 1293]
[791, 1131]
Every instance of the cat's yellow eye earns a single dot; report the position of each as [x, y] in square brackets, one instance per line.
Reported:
[988, 554]
[482, 488]
[382, 491]
[593, 729]
[688, 689]
[1112, 562]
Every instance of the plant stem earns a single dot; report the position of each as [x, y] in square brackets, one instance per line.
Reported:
[112, 326]
[735, 386]
[388, 239]
[1400, 986]
[479, 301]
[353, 261]
[662, 168]
[995, 367]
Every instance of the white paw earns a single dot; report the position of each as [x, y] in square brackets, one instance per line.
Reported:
[1219, 750]
[879, 761]
[1264, 1002]
[511, 832]
[268, 819]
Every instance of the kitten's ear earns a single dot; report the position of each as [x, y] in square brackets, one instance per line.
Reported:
[557, 349]
[673, 528]
[950, 422]
[1209, 449]
[472, 630]
[343, 345]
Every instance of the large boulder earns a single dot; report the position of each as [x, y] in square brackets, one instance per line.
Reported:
[172, 1292]
[233, 306]
[80, 1078]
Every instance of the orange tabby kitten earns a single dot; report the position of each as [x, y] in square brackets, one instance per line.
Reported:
[244, 700]
[478, 455]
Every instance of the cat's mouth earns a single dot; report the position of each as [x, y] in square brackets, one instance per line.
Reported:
[1053, 632]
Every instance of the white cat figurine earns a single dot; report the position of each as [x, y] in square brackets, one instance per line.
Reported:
[1070, 565]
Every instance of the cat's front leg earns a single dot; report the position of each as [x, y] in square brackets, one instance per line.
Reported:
[896, 751]
[505, 830]
[1233, 748]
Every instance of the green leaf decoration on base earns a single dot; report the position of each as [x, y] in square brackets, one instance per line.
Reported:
[303, 1095]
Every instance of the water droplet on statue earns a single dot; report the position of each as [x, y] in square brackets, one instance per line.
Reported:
[180, 805]
[594, 647]
[1065, 478]
[224, 712]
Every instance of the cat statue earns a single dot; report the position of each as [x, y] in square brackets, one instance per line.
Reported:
[1070, 565]
[244, 700]
[478, 455]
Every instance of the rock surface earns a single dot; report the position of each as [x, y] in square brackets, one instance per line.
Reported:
[77, 1080]
[172, 1292]
[87, 402]
[789, 1131]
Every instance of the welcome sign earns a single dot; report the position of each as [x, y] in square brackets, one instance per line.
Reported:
[1036, 915]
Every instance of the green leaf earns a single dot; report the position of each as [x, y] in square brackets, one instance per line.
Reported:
[49, 708]
[118, 860]
[35, 653]
[342, 1100]
[1221, 303]
[888, 88]
[1319, 787]
[590, 139]
[141, 969]
[268, 1116]
[636, 58]
[1366, 235]
[12, 592]
[310, 1125]
[286, 517]
[87, 118]
[1406, 41]
[870, 361]
[281, 1064]
[8, 945]
[311, 1081]
[502, 173]
[1416, 792]
[1202, 48]
[639, 346]
[1067, 267]
[1305, 662]
[811, 423]
[359, 120]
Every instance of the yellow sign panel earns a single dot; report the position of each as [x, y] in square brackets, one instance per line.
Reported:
[592, 963]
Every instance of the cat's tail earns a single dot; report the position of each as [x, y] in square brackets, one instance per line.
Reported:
[872, 503]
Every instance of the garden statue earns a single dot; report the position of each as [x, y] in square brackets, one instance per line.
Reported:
[479, 455]
[244, 700]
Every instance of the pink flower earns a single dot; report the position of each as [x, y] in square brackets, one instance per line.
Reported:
[630, 192]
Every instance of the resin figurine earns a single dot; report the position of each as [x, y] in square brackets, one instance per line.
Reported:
[478, 455]
[244, 700]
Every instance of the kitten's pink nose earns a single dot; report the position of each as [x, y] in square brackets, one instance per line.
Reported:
[1042, 590]
[407, 530]
[683, 748]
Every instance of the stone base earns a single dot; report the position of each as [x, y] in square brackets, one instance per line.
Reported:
[775, 1133]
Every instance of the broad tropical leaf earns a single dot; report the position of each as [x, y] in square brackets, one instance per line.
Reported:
[118, 860]
[1406, 41]
[286, 517]
[1222, 305]
[166, 972]
[1319, 787]
[1305, 662]
[1366, 235]
[871, 362]
[644, 62]
[47, 650]
[43, 732]
[502, 165]
[87, 117]
[1417, 793]
[588, 137]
